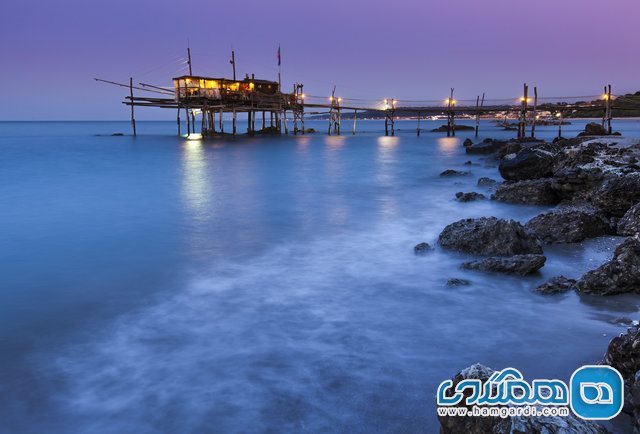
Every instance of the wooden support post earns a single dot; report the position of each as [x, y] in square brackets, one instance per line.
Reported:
[522, 124]
[386, 124]
[178, 120]
[284, 118]
[249, 122]
[535, 111]
[193, 122]
[355, 117]
[560, 126]
[610, 109]
[605, 113]
[221, 123]
[133, 118]
[418, 128]
[234, 121]
[186, 110]
[263, 119]
[271, 119]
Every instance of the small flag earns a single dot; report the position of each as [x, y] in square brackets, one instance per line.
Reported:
[279, 57]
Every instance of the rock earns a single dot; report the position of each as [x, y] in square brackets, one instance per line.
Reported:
[468, 197]
[468, 163]
[489, 236]
[593, 129]
[458, 282]
[457, 127]
[619, 275]
[516, 264]
[529, 163]
[556, 285]
[513, 424]
[618, 194]
[488, 146]
[422, 248]
[451, 172]
[629, 224]
[568, 225]
[486, 182]
[467, 143]
[533, 192]
[623, 353]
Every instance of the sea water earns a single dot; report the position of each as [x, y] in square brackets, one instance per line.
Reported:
[160, 284]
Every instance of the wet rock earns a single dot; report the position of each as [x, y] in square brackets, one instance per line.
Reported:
[569, 225]
[629, 224]
[618, 194]
[516, 264]
[467, 143]
[486, 182]
[468, 197]
[458, 282]
[623, 353]
[489, 236]
[451, 172]
[468, 163]
[488, 146]
[422, 248]
[529, 163]
[619, 275]
[593, 129]
[556, 285]
[514, 424]
[532, 192]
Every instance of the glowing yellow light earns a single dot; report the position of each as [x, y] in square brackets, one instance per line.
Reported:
[339, 99]
[386, 101]
[523, 99]
[302, 96]
[605, 96]
[252, 86]
[558, 115]
[330, 98]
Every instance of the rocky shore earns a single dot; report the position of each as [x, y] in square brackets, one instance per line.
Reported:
[593, 184]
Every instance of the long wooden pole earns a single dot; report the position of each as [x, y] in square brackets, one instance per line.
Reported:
[535, 111]
[133, 119]
[355, 117]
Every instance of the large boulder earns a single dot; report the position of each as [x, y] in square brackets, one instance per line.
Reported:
[513, 424]
[618, 194]
[532, 192]
[422, 248]
[556, 285]
[623, 353]
[516, 264]
[489, 236]
[629, 224]
[619, 275]
[593, 129]
[529, 163]
[569, 225]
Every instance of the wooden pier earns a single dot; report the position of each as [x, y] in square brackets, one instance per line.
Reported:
[212, 99]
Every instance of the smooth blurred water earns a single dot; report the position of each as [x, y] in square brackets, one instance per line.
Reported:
[157, 284]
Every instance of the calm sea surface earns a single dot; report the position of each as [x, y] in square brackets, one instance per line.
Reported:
[163, 285]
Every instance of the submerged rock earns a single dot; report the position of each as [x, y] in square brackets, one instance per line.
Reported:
[489, 236]
[629, 224]
[516, 264]
[529, 163]
[458, 282]
[486, 182]
[568, 225]
[422, 248]
[468, 197]
[467, 143]
[451, 172]
[556, 285]
[488, 146]
[619, 275]
[514, 424]
[532, 192]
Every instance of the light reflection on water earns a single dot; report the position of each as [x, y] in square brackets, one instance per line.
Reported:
[293, 300]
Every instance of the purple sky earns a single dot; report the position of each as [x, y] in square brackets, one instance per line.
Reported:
[411, 49]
